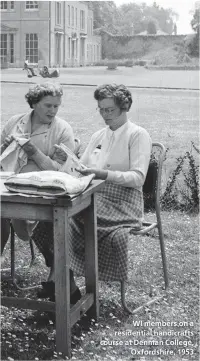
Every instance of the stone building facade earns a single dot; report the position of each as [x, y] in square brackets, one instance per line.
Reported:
[54, 33]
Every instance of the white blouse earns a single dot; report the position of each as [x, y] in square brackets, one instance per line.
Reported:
[124, 153]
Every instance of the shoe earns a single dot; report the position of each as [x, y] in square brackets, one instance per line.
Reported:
[48, 291]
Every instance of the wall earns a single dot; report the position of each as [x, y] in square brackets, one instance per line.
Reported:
[24, 21]
[73, 33]
[56, 34]
[135, 46]
[93, 50]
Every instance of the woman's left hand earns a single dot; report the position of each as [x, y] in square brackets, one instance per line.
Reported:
[60, 153]
[29, 148]
[99, 173]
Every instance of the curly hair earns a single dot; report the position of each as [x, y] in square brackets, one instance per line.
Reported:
[121, 95]
[39, 91]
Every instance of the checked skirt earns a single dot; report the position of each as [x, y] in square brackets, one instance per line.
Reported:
[119, 209]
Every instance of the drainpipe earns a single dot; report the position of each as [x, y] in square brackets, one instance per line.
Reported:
[49, 33]
[64, 9]
[21, 51]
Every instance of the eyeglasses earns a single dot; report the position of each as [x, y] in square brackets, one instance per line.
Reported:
[106, 110]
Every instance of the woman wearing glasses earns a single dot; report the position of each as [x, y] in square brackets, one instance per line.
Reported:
[118, 153]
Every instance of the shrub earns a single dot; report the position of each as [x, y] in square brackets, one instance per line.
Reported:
[156, 61]
[140, 62]
[102, 62]
[120, 62]
[151, 28]
[111, 64]
[128, 63]
[182, 190]
[192, 44]
[183, 58]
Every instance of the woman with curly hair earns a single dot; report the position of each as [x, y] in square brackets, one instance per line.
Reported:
[43, 129]
[119, 154]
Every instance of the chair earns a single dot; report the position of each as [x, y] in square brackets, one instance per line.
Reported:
[77, 146]
[151, 193]
[12, 241]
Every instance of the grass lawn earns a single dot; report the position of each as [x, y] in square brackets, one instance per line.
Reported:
[169, 327]
[171, 117]
[135, 76]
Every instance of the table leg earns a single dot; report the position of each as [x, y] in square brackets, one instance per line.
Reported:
[62, 283]
[91, 256]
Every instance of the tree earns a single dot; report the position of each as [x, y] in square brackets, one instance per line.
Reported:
[163, 17]
[105, 14]
[131, 18]
[151, 28]
[175, 29]
[193, 45]
[196, 21]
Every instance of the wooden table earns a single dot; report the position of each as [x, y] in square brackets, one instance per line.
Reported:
[58, 211]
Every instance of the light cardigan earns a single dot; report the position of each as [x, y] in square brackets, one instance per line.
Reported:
[125, 154]
[44, 138]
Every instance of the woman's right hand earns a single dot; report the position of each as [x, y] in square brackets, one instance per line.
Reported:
[8, 140]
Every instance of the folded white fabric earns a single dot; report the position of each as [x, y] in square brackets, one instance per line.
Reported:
[14, 158]
[47, 183]
[3, 177]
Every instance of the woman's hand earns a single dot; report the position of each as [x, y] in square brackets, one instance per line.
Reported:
[60, 153]
[99, 173]
[29, 148]
[8, 140]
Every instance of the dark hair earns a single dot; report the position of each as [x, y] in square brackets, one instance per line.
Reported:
[121, 95]
[39, 91]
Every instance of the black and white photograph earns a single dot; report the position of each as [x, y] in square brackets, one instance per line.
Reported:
[100, 180]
